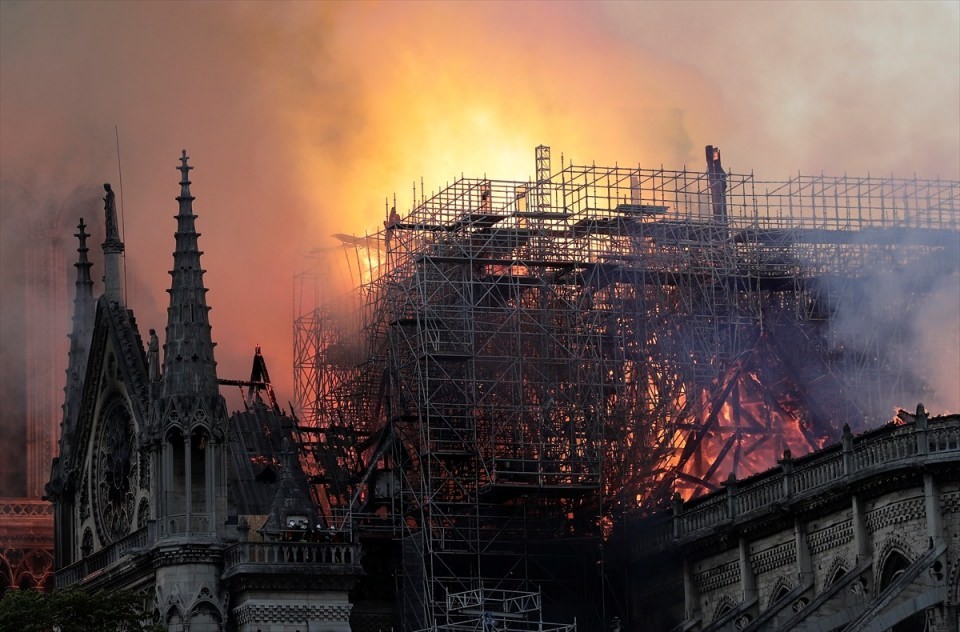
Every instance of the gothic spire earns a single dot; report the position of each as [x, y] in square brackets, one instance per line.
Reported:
[112, 250]
[83, 301]
[84, 312]
[188, 365]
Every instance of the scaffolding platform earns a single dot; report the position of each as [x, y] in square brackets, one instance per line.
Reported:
[593, 340]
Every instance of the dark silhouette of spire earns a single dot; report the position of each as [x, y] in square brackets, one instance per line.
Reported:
[83, 302]
[84, 314]
[188, 365]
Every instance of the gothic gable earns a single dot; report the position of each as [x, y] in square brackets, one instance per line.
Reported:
[110, 473]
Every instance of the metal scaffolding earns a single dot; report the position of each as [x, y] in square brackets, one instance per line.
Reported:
[538, 357]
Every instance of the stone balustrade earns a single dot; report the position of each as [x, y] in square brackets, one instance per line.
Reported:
[134, 542]
[900, 444]
[817, 473]
[943, 439]
[758, 493]
[713, 510]
[854, 458]
[243, 554]
[318, 554]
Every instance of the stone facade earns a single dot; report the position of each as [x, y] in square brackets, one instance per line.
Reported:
[864, 535]
[157, 489]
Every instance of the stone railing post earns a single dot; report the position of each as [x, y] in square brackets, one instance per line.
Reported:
[731, 485]
[677, 512]
[920, 428]
[787, 464]
[849, 465]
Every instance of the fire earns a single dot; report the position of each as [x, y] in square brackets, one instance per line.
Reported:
[471, 98]
[742, 431]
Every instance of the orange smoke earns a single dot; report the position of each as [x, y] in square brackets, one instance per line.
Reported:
[303, 118]
[436, 91]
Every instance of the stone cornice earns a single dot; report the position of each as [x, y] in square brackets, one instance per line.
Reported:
[176, 553]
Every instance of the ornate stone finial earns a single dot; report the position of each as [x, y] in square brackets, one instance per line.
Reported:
[185, 183]
[84, 282]
[846, 439]
[184, 167]
[922, 417]
[677, 502]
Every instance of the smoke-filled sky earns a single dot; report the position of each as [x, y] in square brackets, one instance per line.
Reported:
[301, 118]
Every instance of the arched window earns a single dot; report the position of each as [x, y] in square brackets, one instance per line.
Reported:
[782, 592]
[725, 606]
[175, 485]
[893, 567]
[839, 572]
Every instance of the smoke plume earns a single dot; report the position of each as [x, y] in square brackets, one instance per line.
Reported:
[303, 118]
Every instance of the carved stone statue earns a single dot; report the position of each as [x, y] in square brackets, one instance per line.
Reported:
[110, 207]
[153, 356]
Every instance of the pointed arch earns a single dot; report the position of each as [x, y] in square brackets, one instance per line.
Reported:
[725, 605]
[174, 619]
[172, 420]
[205, 613]
[893, 564]
[837, 569]
[892, 546]
[34, 569]
[206, 609]
[892, 567]
[781, 587]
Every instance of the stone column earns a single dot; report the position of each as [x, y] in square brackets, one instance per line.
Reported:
[210, 483]
[861, 537]
[931, 505]
[188, 479]
[804, 565]
[164, 482]
[691, 596]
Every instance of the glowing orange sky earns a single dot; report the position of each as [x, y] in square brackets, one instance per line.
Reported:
[301, 118]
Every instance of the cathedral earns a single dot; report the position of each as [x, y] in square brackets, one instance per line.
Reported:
[157, 489]
[209, 515]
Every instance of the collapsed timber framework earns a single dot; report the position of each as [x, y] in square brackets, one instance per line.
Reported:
[537, 358]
